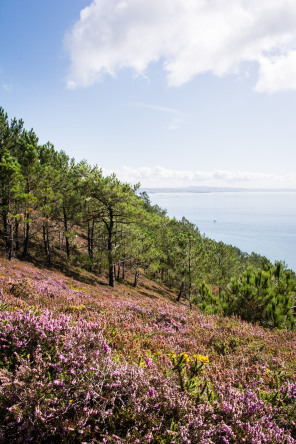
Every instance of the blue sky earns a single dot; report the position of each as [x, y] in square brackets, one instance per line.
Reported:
[164, 92]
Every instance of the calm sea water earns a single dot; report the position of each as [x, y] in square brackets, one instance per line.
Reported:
[263, 222]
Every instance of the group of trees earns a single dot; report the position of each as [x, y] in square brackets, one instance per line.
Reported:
[52, 206]
[265, 296]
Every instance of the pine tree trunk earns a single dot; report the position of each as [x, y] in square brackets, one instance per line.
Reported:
[100, 262]
[111, 276]
[110, 253]
[6, 234]
[90, 238]
[123, 271]
[26, 240]
[10, 241]
[45, 232]
[16, 235]
[181, 291]
[136, 277]
[66, 233]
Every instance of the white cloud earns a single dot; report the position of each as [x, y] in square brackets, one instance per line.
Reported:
[163, 177]
[189, 37]
[277, 73]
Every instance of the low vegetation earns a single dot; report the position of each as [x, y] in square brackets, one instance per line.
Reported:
[83, 363]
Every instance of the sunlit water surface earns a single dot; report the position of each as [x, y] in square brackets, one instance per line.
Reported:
[263, 222]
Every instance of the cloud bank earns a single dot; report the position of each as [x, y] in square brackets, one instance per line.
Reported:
[189, 37]
[162, 177]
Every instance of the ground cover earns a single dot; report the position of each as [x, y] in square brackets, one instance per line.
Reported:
[80, 362]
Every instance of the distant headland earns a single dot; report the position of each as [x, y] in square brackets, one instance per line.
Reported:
[207, 189]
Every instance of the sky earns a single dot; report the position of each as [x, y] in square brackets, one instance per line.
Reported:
[167, 93]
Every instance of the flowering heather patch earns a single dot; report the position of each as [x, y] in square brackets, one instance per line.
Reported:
[81, 364]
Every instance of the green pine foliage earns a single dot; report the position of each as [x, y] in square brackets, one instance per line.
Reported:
[264, 296]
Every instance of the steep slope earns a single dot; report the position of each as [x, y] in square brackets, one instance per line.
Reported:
[82, 363]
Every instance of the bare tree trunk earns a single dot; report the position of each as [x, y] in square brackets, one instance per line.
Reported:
[90, 238]
[100, 262]
[111, 275]
[10, 241]
[26, 239]
[123, 271]
[137, 273]
[66, 233]
[110, 253]
[45, 232]
[180, 291]
[6, 231]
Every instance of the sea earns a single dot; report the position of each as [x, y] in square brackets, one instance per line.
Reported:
[263, 222]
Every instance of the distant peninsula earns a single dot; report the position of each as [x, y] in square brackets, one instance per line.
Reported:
[205, 189]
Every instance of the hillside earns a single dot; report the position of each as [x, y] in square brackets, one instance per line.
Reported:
[83, 362]
[59, 212]
[131, 327]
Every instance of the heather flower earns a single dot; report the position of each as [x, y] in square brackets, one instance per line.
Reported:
[151, 392]
[106, 348]
[148, 362]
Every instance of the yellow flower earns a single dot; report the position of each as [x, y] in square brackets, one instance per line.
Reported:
[71, 400]
[201, 358]
[28, 356]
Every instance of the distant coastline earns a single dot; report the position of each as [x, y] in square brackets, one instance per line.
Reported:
[263, 222]
[205, 189]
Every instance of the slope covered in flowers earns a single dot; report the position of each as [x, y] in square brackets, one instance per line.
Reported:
[80, 363]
